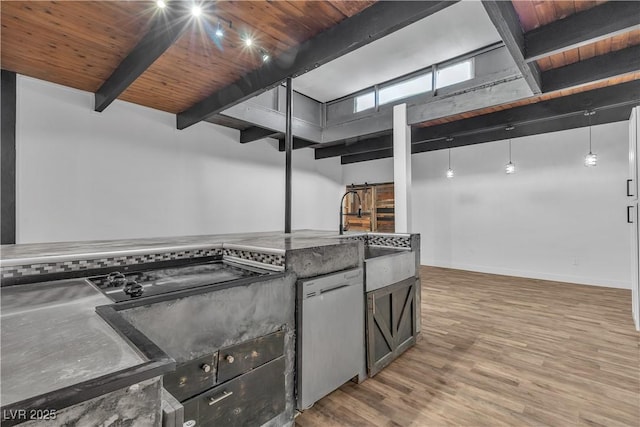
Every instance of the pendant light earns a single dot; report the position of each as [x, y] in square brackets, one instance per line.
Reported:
[450, 173]
[510, 168]
[590, 159]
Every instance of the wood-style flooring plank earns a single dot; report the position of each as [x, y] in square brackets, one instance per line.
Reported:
[503, 351]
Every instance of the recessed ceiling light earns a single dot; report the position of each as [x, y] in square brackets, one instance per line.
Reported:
[161, 4]
[248, 41]
[196, 10]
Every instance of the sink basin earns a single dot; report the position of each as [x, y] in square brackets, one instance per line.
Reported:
[386, 266]
[370, 252]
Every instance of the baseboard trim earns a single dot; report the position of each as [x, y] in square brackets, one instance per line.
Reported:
[601, 282]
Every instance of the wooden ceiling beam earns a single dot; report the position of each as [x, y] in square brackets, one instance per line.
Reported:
[297, 143]
[612, 103]
[597, 98]
[373, 23]
[593, 69]
[256, 133]
[505, 19]
[575, 120]
[365, 157]
[362, 146]
[586, 27]
[167, 26]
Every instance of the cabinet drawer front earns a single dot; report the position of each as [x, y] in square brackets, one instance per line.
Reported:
[248, 400]
[240, 358]
[192, 377]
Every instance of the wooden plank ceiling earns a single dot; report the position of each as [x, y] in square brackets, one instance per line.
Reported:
[80, 43]
[76, 44]
[536, 13]
[612, 44]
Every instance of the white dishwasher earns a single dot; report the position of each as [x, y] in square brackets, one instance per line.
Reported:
[331, 343]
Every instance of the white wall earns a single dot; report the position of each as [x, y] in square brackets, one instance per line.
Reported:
[127, 172]
[554, 219]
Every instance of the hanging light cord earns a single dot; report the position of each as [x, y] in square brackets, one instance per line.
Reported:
[449, 158]
[509, 150]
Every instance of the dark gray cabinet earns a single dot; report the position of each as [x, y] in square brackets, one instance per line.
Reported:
[248, 400]
[391, 323]
[239, 385]
[240, 358]
[192, 377]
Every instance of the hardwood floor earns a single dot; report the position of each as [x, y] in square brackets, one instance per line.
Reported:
[503, 351]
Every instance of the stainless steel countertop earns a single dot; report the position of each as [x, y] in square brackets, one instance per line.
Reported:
[53, 338]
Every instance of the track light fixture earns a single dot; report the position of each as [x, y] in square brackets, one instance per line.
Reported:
[219, 32]
[265, 55]
[196, 10]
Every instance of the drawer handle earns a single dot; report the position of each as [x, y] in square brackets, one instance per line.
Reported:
[206, 367]
[214, 400]
[230, 358]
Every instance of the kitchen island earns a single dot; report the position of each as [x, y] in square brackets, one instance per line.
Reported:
[257, 313]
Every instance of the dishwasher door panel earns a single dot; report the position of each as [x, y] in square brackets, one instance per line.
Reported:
[331, 335]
